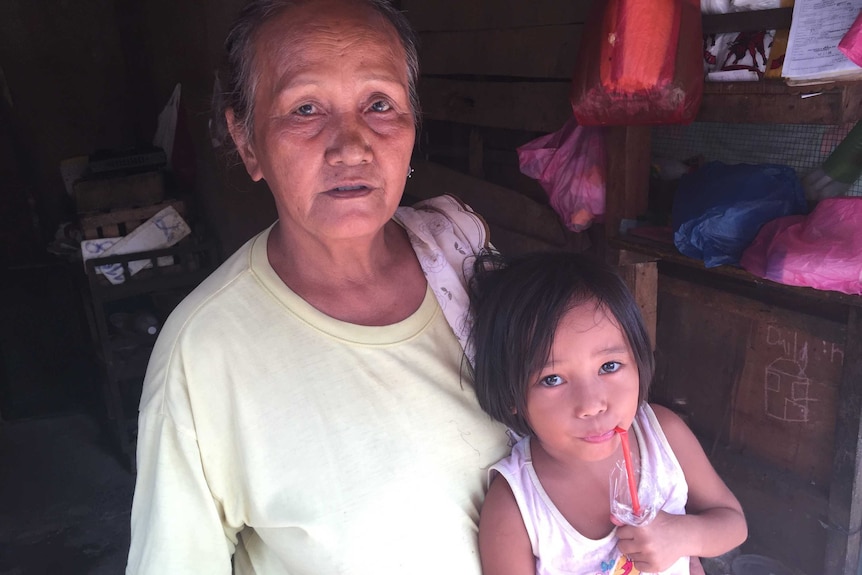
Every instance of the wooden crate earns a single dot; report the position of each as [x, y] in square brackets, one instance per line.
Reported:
[117, 223]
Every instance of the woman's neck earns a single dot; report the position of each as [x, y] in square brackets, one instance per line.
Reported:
[370, 281]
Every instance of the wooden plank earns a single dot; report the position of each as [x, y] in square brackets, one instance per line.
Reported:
[642, 279]
[627, 174]
[492, 14]
[698, 353]
[775, 103]
[787, 369]
[498, 205]
[851, 102]
[531, 106]
[747, 21]
[536, 52]
[827, 304]
[845, 489]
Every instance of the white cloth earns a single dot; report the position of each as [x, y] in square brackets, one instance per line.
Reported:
[307, 445]
[558, 547]
[445, 235]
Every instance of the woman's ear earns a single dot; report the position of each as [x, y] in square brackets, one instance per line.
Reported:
[243, 146]
[514, 410]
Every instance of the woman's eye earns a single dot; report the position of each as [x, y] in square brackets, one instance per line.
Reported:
[610, 367]
[305, 110]
[551, 380]
[380, 106]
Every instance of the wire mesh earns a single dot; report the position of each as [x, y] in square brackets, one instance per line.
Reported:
[803, 147]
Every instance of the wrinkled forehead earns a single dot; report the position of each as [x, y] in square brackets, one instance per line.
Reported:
[313, 31]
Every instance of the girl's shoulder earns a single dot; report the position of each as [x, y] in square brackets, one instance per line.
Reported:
[671, 423]
[677, 433]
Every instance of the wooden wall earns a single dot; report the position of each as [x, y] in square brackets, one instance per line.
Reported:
[495, 75]
[760, 377]
[182, 41]
[760, 373]
[65, 92]
[763, 378]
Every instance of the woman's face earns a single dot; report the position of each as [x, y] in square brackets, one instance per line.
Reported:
[589, 387]
[333, 127]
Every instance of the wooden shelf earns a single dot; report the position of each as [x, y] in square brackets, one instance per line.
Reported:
[774, 102]
[738, 280]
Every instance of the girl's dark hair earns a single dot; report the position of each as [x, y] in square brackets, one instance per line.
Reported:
[517, 305]
[239, 78]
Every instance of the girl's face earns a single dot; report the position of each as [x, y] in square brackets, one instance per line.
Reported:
[588, 387]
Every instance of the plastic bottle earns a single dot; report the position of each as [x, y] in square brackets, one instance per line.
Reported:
[839, 171]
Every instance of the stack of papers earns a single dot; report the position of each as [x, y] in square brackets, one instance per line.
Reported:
[812, 55]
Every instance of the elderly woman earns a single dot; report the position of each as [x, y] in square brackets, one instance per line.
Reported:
[306, 409]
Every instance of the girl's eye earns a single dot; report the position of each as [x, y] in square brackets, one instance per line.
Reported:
[380, 106]
[551, 380]
[305, 110]
[610, 367]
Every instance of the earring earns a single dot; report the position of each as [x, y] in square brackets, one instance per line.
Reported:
[410, 173]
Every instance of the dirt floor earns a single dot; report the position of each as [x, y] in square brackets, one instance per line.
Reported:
[65, 499]
[65, 496]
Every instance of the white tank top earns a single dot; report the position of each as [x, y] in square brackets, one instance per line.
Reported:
[558, 547]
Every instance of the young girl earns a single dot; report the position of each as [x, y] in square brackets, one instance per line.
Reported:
[563, 359]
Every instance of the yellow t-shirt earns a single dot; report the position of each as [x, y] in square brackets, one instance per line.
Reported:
[307, 444]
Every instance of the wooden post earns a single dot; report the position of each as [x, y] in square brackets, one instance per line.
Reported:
[843, 537]
[641, 276]
[627, 176]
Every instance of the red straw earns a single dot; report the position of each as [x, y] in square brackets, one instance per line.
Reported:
[630, 472]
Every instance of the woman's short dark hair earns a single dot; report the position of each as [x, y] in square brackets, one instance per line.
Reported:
[238, 76]
[517, 305]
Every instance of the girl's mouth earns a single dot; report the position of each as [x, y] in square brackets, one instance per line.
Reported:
[606, 436]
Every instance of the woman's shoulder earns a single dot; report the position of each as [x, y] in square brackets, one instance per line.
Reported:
[217, 285]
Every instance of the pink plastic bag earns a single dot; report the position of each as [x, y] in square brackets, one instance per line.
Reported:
[570, 166]
[851, 42]
[822, 250]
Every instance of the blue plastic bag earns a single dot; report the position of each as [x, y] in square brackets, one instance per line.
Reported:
[718, 210]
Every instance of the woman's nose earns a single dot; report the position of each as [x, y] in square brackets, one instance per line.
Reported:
[349, 145]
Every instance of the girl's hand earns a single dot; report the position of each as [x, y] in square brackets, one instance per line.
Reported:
[656, 546]
[713, 524]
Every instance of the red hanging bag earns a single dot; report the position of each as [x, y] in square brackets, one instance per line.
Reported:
[639, 63]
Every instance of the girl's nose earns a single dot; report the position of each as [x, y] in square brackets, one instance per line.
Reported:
[349, 145]
[590, 400]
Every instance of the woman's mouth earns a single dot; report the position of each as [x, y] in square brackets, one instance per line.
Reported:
[348, 191]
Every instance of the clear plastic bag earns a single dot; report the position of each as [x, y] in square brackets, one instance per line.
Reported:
[822, 250]
[570, 166]
[621, 498]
